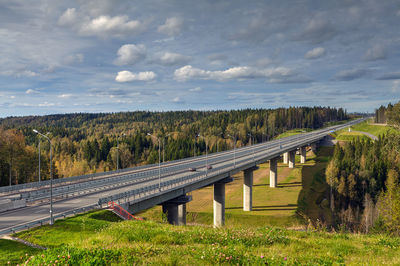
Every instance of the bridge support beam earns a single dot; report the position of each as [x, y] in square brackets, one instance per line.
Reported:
[285, 157]
[273, 172]
[292, 157]
[175, 210]
[303, 157]
[248, 189]
[219, 201]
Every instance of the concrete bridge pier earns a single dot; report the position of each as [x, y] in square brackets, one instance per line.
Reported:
[314, 147]
[285, 157]
[219, 201]
[303, 157]
[292, 158]
[175, 210]
[248, 189]
[182, 214]
[273, 172]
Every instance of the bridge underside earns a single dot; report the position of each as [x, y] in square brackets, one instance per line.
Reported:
[174, 201]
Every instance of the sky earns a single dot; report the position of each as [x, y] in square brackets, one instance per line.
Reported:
[110, 55]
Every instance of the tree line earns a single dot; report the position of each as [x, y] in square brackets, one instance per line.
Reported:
[364, 177]
[86, 143]
[388, 114]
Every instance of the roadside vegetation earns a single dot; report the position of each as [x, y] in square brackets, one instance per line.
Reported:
[107, 241]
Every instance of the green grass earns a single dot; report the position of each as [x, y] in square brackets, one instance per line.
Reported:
[373, 129]
[366, 126]
[151, 243]
[348, 136]
[15, 252]
[369, 127]
[292, 132]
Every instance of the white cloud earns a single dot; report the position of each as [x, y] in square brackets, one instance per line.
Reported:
[172, 26]
[31, 91]
[19, 73]
[170, 59]
[68, 18]
[376, 52]
[176, 100]
[275, 74]
[197, 89]
[46, 104]
[130, 54]
[65, 96]
[102, 26]
[126, 76]
[315, 53]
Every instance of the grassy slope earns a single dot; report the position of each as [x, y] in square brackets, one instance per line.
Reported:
[347, 136]
[14, 252]
[107, 241]
[366, 126]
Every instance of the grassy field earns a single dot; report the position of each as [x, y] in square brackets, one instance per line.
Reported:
[292, 132]
[107, 241]
[366, 126]
[374, 129]
[348, 136]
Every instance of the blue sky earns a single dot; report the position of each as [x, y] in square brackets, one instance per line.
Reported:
[110, 56]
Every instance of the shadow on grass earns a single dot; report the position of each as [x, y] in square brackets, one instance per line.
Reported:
[293, 184]
[313, 200]
[269, 208]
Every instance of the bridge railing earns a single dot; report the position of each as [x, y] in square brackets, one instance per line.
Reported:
[121, 211]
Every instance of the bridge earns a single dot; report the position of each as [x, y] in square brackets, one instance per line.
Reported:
[168, 184]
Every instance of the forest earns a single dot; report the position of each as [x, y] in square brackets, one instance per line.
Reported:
[364, 177]
[85, 143]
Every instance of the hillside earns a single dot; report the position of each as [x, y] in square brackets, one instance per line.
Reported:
[98, 238]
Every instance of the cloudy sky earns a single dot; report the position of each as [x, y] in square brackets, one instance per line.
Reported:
[109, 56]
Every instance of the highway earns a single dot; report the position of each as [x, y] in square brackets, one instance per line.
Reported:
[72, 195]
